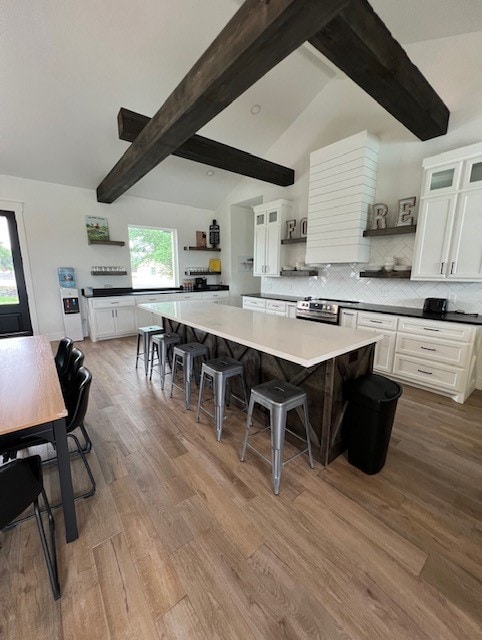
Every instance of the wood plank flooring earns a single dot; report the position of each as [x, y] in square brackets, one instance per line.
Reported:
[182, 541]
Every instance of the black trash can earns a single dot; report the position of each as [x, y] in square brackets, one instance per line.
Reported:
[368, 421]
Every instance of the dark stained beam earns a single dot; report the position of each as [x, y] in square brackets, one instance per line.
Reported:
[212, 153]
[359, 43]
[260, 34]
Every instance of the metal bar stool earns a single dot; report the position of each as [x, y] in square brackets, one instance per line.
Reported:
[220, 371]
[160, 346]
[144, 335]
[279, 397]
[184, 356]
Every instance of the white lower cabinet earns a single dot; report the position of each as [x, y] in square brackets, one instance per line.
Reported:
[435, 355]
[291, 309]
[348, 318]
[255, 304]
[111, 317]
[384, 325]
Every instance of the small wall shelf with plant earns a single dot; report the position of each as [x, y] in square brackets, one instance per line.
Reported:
[191, 272]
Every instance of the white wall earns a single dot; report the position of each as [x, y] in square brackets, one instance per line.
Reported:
[55, 236]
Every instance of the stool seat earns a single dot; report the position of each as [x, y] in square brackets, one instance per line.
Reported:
[184, 355]
[161, 344]
[144, 336]
[220, 371]
[279, 397]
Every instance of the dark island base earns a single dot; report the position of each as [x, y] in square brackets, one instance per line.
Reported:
[323, 383]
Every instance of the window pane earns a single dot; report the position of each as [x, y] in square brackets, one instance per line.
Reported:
[476, 172]
[8, 283]
[152, 257]
[442, 179]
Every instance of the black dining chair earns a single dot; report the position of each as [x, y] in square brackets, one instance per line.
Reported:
[75, 361]
[76, 403]
[21, 484]
[63, 354]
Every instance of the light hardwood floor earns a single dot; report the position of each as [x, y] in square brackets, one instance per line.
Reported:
[183, 541]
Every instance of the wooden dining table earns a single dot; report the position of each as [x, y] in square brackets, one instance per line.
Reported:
[31, 403]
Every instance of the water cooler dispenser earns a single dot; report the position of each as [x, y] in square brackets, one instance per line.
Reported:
[69, 299]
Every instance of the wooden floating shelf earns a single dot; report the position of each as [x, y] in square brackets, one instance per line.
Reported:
[108, 273]
[298, 272]
[114, 243]
[385, 274]
[202, 273]
[391, 231]
[293, 241]
[201, 249]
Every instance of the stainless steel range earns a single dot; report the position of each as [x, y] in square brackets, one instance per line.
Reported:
[320, 310]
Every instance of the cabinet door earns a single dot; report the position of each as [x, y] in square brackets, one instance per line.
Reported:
[441, 180]
[466, 249]
[472, 177]
[291, 309]
[431, 251]
[348, 318]
[259, 265]
[144, 317]
[273, 217]
[384, 350]
[104, 320]
[125, 320]
[273, 249]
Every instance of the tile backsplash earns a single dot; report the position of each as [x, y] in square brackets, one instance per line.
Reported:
[342, 281]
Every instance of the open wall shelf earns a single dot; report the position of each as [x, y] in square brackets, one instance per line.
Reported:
[114, 243]
[385, 274]
[201, 249]
[108, 273]
[293, 241]
[391, 231]
[202, 273]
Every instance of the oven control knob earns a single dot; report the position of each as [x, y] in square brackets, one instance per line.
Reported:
[328, 307]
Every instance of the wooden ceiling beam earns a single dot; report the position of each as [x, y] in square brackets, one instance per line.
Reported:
[359, 43]
[212, 153]
[260, 34]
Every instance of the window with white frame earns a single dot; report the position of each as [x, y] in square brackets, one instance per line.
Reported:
[153, 254]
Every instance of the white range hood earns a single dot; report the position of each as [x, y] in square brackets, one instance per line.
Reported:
[341, 189]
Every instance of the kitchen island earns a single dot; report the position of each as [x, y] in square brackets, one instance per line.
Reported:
[317, 357]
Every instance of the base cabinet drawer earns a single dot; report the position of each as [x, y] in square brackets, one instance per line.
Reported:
[429, 374]
[454, 353]
[255, 304]
[434, 329]
[377, 321]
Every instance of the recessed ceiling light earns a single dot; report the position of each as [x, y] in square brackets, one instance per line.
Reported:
[255, 109]
[209, 172]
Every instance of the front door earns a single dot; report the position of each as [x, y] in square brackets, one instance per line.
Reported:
[14, 311]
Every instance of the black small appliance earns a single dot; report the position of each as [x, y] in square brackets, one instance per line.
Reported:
[200, 283]
[435, 306]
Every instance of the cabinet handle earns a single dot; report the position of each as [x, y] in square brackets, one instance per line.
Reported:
[348, 314]
[376, 321]
[428, 373]
[428, 329]
[452, 268]
[114, 303]
[442, 265]
[428, 349]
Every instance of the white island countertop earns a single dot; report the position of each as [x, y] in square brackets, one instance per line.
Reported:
[306, 343]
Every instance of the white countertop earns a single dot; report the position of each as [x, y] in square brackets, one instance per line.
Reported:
[306, 343]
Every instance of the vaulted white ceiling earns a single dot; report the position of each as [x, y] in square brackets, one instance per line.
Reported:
[66, 67]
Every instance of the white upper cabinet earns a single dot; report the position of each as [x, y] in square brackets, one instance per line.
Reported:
[269, 220]
[341, 189]
[448, 244]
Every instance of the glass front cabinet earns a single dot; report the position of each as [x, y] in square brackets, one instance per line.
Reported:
[448, 243]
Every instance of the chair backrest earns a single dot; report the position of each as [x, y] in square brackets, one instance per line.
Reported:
[63, 354]
[20, 484]
[76, 360]
[77, 400]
